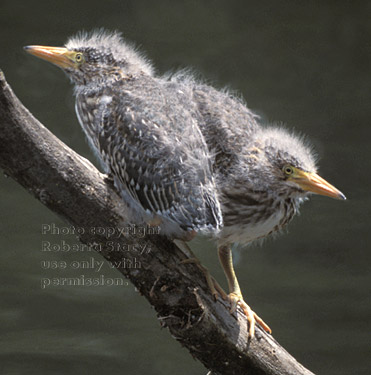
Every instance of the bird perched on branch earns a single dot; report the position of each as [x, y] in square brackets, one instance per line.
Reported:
[183, 154]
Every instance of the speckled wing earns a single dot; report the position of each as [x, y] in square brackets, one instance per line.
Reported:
[158, 162]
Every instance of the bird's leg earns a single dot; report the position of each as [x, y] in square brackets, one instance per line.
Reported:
[213, 285]
[235, 295]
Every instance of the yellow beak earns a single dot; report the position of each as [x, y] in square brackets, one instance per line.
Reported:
[56, 55]
[315, 184]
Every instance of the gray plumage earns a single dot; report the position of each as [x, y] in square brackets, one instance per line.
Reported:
[256, 199]
[184, 155]
[181, 151]
[145, 131]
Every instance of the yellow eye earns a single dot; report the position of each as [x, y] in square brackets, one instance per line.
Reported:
[79, 57]
[288, 169]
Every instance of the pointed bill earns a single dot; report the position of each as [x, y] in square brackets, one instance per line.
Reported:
[316, 184]
[56, 55]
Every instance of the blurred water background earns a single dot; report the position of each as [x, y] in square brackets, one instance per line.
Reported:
[303, 63]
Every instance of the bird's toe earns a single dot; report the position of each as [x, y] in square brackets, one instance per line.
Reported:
[237, 300]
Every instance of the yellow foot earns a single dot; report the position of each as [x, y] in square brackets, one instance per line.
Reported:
[215, 289]
[252, 318]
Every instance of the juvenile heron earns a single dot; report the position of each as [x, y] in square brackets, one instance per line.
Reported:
[183, 154]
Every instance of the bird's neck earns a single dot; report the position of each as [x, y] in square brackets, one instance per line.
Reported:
[251, 215]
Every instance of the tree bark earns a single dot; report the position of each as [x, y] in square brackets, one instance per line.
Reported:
[72, 187]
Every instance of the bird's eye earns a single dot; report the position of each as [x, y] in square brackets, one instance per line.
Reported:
[288, 169]
[79, 57]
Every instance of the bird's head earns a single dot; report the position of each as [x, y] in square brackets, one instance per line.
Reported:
[285, 165]
[96, 56]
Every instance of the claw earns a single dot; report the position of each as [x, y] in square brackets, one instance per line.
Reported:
[215, 289]
[252, 318]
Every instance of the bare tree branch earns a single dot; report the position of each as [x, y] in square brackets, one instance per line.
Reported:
[74, 189]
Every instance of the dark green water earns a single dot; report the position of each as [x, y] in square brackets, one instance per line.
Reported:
[305, 64]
